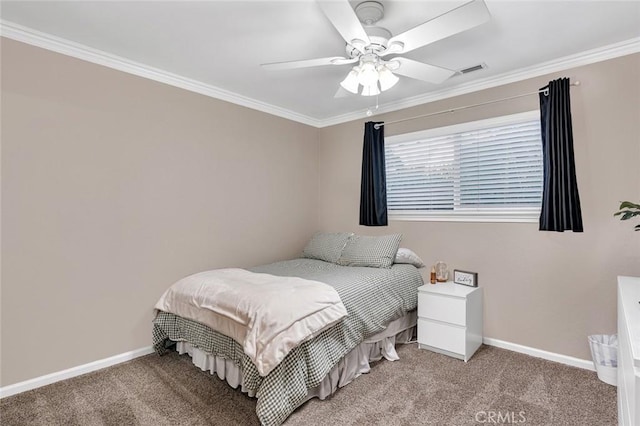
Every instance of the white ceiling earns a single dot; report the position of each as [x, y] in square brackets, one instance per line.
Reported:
[223, 43]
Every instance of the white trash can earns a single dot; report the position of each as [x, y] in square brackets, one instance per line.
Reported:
[604, 351]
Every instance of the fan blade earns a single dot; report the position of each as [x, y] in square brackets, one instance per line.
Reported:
[341, 93]
[460, 19]
[344, 19]
[335, 60]
[421, 71]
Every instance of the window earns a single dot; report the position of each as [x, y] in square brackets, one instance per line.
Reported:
[489, 170]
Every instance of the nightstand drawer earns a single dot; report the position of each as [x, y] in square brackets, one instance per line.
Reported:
[442, 336]
[442, 308]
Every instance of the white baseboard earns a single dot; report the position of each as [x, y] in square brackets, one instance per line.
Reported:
[127, 356]
[72, 372]
[539, 353]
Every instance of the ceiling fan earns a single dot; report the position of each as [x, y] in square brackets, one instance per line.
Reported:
[369, 47]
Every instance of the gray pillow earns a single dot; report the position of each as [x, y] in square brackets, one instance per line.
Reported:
[376, 252]
[326, 246]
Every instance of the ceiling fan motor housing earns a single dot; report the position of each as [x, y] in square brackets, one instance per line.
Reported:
[379, 38]
[369, 12]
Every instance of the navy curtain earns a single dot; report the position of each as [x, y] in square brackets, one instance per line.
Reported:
[560, 198]
[373, 189]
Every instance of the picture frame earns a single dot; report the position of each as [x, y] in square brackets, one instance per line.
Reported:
[465, 278]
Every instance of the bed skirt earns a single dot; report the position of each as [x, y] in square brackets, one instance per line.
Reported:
[355, 363]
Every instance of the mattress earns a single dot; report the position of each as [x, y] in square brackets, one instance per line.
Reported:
[373, 297]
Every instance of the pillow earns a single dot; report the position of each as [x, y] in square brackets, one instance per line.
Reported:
[325, 246]
[377, 252]
[405, 255]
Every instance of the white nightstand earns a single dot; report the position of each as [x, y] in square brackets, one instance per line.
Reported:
[450, 319]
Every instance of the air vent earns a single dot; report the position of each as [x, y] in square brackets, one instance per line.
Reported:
[473, 68]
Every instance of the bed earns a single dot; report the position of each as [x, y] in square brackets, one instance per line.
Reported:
[380, 303]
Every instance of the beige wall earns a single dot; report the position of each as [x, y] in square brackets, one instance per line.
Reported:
[544, 290]
[114, 187]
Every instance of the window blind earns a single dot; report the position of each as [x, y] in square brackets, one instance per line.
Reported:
[486, 170]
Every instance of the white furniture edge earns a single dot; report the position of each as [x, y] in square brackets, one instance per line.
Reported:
[631, 312]
[128, 356]
[539, 353]
[67, 47]
[628, 372]
[72, 372]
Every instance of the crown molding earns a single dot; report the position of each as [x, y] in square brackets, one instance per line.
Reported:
[67, 47]
[599, 54]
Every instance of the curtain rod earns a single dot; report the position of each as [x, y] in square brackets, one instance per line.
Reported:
[545, 91]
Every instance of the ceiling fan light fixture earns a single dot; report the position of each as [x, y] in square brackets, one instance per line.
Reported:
[350, 83]
[370, 90]
[368, 74]
[387, 78]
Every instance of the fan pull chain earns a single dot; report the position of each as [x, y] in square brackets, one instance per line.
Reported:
[369, 111]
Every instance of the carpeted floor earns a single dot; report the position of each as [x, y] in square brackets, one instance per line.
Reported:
[423, 388]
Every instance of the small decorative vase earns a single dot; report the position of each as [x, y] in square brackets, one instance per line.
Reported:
[442, 271]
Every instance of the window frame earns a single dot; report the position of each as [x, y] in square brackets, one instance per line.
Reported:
[498, 214]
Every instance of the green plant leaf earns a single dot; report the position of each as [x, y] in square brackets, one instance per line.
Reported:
[629, 205]
[627, 211]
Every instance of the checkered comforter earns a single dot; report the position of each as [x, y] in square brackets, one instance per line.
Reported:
[373, 297]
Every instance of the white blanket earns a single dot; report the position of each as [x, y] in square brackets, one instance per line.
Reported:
[266, 314]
